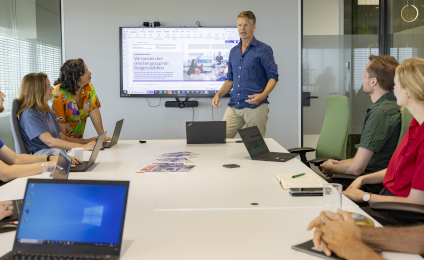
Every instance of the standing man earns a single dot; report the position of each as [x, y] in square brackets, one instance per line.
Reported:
[252, 74]
[219, 60]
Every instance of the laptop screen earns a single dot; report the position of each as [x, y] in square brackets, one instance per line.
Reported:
[253, 141]
[72, 214]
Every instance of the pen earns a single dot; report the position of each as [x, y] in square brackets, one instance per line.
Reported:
[298, 175]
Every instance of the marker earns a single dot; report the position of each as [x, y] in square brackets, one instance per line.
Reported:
[14, 222]
[298, 175]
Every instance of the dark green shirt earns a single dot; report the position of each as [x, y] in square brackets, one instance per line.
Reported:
[380, 132]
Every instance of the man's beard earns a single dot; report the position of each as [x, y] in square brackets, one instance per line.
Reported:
[1, 109]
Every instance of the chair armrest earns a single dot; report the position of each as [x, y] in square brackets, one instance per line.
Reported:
[319, 161]
[301, 150]
[344, 177]
[401, 210]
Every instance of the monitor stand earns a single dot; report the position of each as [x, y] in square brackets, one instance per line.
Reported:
[181, 104]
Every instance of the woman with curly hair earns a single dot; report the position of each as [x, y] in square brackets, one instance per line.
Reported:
[74, 99]
[37, 124]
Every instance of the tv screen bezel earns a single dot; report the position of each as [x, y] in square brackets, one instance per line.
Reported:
[180, 95]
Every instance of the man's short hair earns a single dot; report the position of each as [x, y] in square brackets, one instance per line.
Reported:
[248, 14]
[383, 68]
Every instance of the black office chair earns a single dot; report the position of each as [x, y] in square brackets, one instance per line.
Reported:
[19, 142]
[400, 210]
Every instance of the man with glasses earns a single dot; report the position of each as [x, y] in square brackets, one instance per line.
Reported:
[252, 75]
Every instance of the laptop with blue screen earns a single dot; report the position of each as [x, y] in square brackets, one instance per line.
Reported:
[71, 219]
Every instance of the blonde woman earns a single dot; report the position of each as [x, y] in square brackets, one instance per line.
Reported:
[37, 123]
[403, 179]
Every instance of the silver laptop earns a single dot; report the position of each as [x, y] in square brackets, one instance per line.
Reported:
[116, 134]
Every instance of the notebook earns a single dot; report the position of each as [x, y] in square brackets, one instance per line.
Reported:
[71, 219]
[308, 247]
[308, 180]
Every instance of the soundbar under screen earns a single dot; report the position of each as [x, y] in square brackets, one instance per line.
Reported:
[173, 62]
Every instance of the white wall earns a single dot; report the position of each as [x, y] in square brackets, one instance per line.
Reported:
[321, 17]
[91, 31]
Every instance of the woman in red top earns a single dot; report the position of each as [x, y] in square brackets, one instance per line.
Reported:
[404, 178]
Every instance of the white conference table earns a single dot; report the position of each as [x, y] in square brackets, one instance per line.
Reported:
[207, 213]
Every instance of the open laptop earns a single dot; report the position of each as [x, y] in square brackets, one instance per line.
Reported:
[63, 165]
[257, 148]
[116, 134]
[82, 167]
[71, 219]
[206, 132]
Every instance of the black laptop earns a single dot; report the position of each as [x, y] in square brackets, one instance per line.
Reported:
[206, 132]
[63, 165]
[257, 148]
[82, 167]
[71, 219]
[116, 134]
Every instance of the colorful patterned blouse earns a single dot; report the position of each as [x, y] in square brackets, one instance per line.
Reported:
[69, 113]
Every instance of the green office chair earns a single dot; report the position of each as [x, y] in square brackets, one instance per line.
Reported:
[333, 137]
[406, 121]
[406, 118]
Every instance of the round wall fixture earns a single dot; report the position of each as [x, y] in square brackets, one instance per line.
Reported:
[409, 13]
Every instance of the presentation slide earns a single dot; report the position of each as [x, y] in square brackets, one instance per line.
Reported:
[163, 61]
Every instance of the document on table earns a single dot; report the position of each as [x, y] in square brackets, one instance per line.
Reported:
[305, 181]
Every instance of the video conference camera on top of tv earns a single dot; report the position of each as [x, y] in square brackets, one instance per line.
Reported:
[181, 104]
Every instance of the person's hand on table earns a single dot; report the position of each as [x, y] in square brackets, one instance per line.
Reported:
[6, 209]
[255, 99]
[336, 232]
[75, 161]
[356, 195]
[107, 139]
[89, 146]
[215, 101]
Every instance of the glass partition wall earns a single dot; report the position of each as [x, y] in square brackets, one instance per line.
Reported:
[30, 41]
[338, 38]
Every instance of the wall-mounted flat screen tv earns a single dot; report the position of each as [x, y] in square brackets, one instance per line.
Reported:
[174, 62]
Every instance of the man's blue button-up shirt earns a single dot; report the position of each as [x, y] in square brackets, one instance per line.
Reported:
[250, 72]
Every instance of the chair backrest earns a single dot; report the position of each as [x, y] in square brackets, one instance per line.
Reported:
[19, 142]
[333, 137]
[406, 120]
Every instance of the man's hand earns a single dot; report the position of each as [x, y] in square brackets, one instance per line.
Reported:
[107, 139]
[356, 195]
[342, 237]
[255, 99]
[326, 166]
[215, 101]
[5, 212]
[318, 221]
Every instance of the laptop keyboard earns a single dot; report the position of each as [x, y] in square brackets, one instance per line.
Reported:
[271, 157]
[29, 256]
[80, 167]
